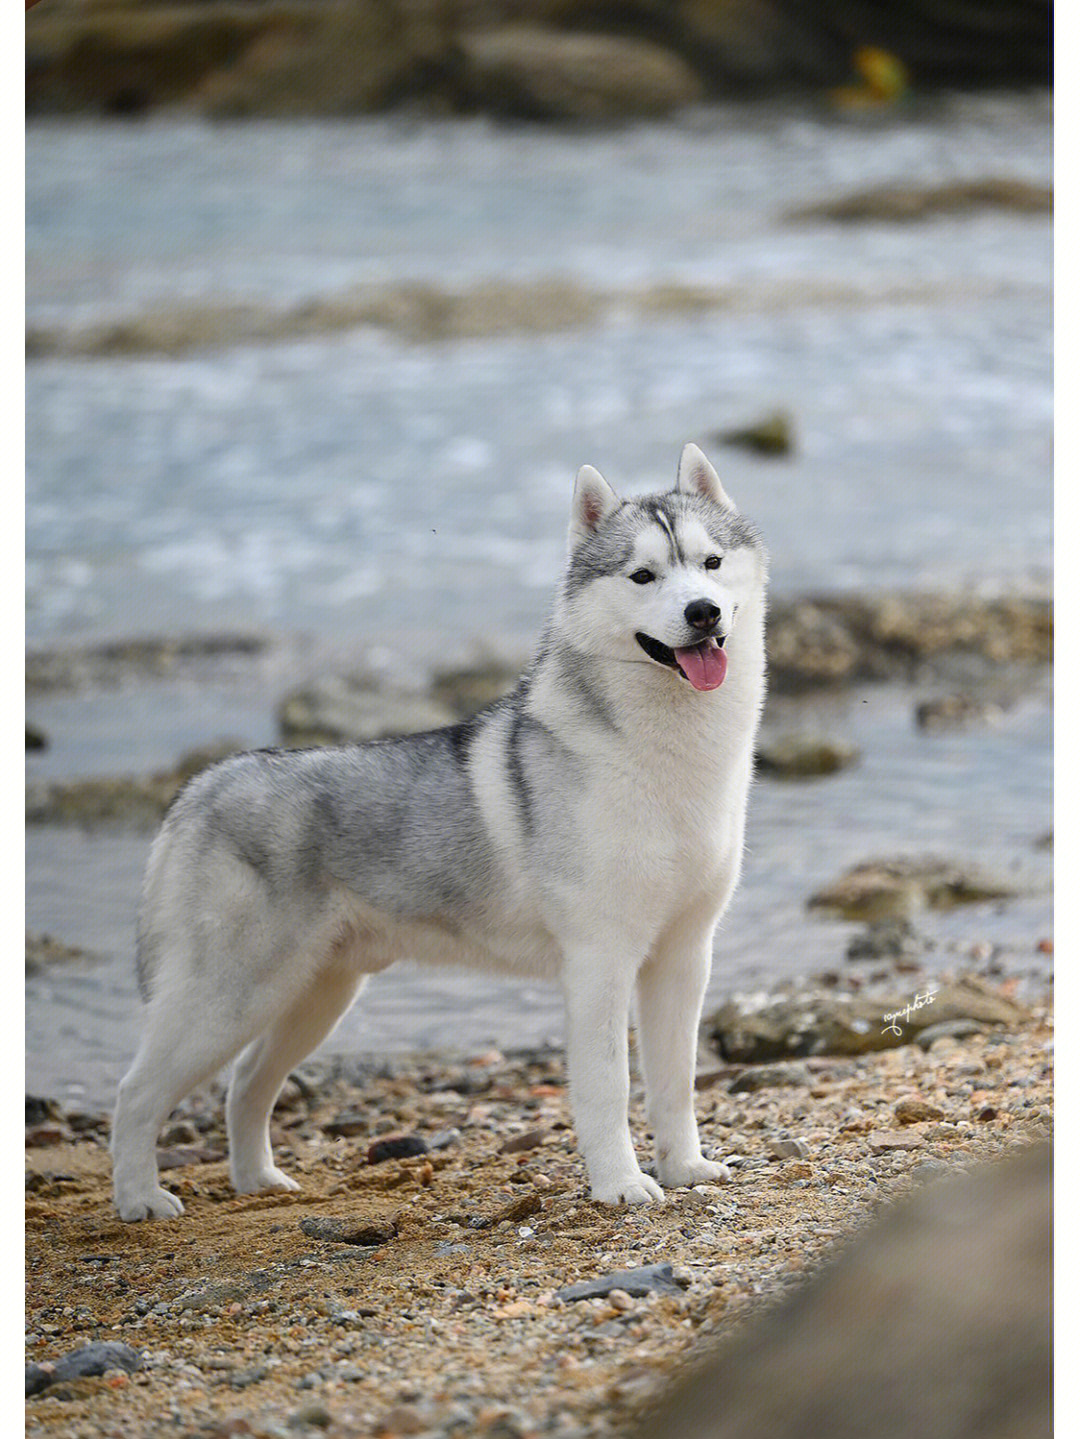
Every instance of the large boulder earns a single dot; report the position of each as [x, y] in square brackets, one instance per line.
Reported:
[350, 709]
[525, 72]
[935, 1322]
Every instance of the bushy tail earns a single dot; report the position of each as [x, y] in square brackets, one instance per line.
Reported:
[148, 925]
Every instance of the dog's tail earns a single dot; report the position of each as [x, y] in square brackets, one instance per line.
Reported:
[149, 924]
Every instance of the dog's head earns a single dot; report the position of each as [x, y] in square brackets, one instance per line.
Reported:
[661, 580]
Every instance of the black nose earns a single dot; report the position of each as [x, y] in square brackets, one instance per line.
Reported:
[702, 614]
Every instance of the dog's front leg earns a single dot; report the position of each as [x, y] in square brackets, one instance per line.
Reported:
[670, 991]
[597, 986]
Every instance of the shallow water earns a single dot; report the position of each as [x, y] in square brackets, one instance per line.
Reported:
[360, 495]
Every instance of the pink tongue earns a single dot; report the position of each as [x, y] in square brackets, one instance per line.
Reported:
[704, 666]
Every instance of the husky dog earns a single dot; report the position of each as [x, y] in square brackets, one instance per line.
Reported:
[586, 828]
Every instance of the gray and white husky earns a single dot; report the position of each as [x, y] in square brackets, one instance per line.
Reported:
[587, 828]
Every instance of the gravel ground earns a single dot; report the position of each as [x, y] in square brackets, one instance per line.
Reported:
[440, 1316]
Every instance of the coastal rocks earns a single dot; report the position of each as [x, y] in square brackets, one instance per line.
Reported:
[953, 712]
[531, 73]
[87, 1362]
[42, 952]
[349, 709]
[133, 802]
[826, 640]
[903, 204]
[36, 739]
[894, 888]
[649, 1279]
[754, 1029]
[773, 434]
[892, 939]
[793, 757]
[471, 687]
[119, 662]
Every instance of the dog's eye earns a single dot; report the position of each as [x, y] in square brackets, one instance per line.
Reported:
[643, 577]
[712, 562]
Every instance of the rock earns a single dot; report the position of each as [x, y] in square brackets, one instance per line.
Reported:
[650, 1279]
[902, 204]
[42, 1111]
[180, 1155]
[950, 712]
[348, 1124]
[785, 1148]
[808, 646]
[523, 1208]
[948, 1029]
[893, 888]
[345, 709]
[396, 1146]
[88, 1362]
[769, 1076]
[882, 1141]
[520, 1143]
[932, 1295]
[891, 939]
[912, 1110]
[35, 738]
[134, 802]
[312, 1415]
[45, 1136]
[42, 952]
[793, 757]
[771, 435]
[753, 1029]
[118, 662]
[472, 687]
[526, 72]
[349, 1231]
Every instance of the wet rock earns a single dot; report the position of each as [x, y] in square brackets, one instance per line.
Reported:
[892, 888]
[133, 802]
[754, 1029]
[955, 711]
[773, 434]
[912, 1110]
[807, 646]
[42, 952]
[650, 1279]
[396, 1146]
[904, 204]
[769, 1076]
[344, 709]
[884, 939]
[470, 688]
[35, 738]
[88, 1362]
[118, 662]
[932, 1295]
[40, 1110]
[350, 1230]
[526, 72]
[949, 1029]
[793, 757]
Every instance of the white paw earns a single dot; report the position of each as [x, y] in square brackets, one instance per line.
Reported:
[269, 1178]
[158, 1204]
[632, 1189]
[675, 1173]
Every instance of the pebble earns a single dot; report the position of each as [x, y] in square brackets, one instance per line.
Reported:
[767, 1076]
[880, 1141]
[649, 1279]
[948, 1029]
[788, 1148]
[315, 1416]
[348, 1231]
[911, 1110]
[396, 1146]
[519, 1143]
[89, 1361]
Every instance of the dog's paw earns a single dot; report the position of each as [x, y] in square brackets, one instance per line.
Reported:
[676, 1173]
[158, 1204]
[632, 1189]
[270, 1178]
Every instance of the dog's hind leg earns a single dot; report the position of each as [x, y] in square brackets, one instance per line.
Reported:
[263, 1067]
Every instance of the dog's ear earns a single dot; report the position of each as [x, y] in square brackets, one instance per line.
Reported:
[593, 501]
[697, 477]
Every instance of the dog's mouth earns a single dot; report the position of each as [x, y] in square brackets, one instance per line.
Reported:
[704, 664]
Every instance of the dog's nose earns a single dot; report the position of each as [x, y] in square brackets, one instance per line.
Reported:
[702, 614]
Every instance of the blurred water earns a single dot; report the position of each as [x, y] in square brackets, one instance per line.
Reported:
[360, 493]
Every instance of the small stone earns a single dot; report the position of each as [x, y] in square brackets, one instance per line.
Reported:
[520, 1143]
[444, 1138]
[541, 1181]
[912, 1110]
[518, 1209]
[313, 1415]
[90, 1361]
[181, 1155]
[948, 1029]
[401, 1419]
[892, 938]
[348, 1231]
[649, 1279]
[347, 1125]
[619, 1299]
[986, 1113]
[396, 1146]
[770, 1076]
[705, 1194]
[771, 435]
[788, 1148]
[881, 1141]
